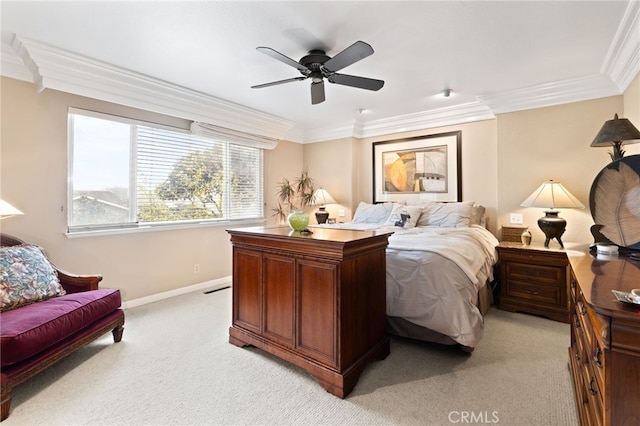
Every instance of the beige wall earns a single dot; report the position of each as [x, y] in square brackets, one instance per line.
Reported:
[632, 111]
[286, 161]
[503, 161]
[552, 144]
[333, 166]
[33, 177]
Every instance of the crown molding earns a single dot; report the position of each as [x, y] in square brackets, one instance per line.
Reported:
[446, 116]
[548, 94]
[622, 62]
[12, 66]
[345, 129]
[58, 69]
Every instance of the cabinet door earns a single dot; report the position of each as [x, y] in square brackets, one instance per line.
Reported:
[247, 277]
[316, 319]
[279, 282]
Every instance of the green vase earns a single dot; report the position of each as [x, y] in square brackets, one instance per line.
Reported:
[298, 220]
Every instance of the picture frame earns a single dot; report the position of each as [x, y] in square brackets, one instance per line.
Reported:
[418, 168]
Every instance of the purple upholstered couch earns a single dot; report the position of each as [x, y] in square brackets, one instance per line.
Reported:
[36, 335]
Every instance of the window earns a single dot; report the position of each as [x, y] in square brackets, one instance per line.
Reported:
[127, 174]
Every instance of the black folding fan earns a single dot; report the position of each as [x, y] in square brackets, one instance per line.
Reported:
[317, 66]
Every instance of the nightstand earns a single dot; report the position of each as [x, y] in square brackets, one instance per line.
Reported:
[534, 279]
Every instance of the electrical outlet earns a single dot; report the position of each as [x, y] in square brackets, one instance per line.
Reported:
[341, 213]
[196, 268]
[515, 218]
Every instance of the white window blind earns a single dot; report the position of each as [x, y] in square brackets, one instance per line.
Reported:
[168, 177]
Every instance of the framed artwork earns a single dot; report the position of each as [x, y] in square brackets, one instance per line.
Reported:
[418, 168]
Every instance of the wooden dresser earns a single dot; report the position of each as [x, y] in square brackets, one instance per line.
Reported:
[604, 356]
[317, 301]
[534, 279]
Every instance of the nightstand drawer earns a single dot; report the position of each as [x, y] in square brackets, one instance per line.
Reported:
[527, 272]
[529, 291]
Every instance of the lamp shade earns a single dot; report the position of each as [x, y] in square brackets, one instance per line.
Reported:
[616, 130]
[322, 197]
[7, 209]
[615, 133]
[552, 195]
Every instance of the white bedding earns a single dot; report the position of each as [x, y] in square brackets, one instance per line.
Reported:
[434, 274]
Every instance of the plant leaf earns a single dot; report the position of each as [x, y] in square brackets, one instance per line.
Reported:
[617, 205]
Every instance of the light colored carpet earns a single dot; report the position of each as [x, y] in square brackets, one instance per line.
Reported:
[176, 367]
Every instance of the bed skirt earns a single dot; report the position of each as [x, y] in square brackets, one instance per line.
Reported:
[401, 327]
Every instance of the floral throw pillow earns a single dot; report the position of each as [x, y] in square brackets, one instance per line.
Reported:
[26, 276]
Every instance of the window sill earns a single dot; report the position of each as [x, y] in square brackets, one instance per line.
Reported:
[155, 228]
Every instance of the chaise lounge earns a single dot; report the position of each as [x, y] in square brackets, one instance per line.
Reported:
[42, 328]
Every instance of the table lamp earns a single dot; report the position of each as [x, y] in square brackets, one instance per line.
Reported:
[615, 133]
[321, 198]
[551, 195]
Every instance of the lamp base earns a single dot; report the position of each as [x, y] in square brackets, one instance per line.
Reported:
[322, 215]
[552, 226]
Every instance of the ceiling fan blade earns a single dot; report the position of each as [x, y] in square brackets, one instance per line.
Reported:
[275, 83]
[317, 92]
[352, 54]
[282, 58]
[355, 81]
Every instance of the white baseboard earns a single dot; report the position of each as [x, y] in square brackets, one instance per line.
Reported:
[206, 285]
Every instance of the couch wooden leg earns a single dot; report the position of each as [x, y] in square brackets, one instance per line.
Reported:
[6, 404]
[117, 333]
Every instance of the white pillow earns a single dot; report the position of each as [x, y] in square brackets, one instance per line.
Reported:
[413, 212]
[446, 215]
[478, 216]
[372, 213]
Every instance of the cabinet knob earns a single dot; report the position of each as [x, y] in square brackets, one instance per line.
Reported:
[534, 292]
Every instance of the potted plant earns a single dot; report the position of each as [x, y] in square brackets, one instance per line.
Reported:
[293, 195]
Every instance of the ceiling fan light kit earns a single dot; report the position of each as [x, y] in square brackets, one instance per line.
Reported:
[317, 66]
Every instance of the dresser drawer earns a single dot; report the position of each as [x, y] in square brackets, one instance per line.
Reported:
[595, 333]
[594, 397]
[539, 257]
[551, 275]
[531, 291]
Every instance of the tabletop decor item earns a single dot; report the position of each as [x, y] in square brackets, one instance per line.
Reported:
[614, 201]
[298, 220]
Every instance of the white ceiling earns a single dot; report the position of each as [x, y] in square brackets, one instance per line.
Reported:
[495, 56]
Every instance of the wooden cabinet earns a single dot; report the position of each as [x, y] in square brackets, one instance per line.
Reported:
[317, 301]
[534, 279]
[604, 354]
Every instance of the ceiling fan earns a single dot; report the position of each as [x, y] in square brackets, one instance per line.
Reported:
[317, 66]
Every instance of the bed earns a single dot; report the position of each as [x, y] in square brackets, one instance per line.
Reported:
[440, 263]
